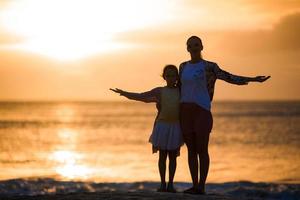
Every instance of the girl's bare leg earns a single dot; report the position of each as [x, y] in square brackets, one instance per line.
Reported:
[172, 169]
[162, 169]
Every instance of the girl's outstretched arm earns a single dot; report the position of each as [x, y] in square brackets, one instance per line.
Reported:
[235, 79]
[147, 97]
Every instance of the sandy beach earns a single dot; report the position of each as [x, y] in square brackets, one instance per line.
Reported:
[47, 188]
[143, 195]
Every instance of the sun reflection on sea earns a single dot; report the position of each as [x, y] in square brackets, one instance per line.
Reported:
[68, 139]
[65, 113]
[71, 163]
[68, 164]
[68, 134]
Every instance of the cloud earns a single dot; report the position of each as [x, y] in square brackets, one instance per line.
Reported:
[286, 32]
[3, 3]
[274, 5]
[284, 36]
[259, 5]
[234, 14]
[8, 38]
[5, 36]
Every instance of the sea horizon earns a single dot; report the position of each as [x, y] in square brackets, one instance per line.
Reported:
[130, 101]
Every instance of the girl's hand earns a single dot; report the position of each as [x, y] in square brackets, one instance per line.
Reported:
[261, 78]
[117, 90]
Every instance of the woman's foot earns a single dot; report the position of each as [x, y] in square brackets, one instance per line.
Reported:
[201, 192]
[191, 190]
[195, 191]
[163, 188]
[201, 189]
[171, 188]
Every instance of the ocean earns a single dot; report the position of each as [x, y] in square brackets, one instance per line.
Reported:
[107, 142]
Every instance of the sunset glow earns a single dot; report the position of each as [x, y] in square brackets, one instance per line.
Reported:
[76, 50]
[68, 30]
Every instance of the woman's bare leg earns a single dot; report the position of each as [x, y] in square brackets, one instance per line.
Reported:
[193, 166]
[202, 148]
[204, 167]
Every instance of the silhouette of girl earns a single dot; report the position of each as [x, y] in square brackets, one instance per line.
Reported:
[197, 81]
[166, 136]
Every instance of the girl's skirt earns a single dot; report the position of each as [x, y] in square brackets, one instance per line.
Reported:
[166, 136]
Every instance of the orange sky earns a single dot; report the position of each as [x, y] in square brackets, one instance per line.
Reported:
[68, 51]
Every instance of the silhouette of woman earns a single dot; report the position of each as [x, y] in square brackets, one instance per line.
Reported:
[197, 81]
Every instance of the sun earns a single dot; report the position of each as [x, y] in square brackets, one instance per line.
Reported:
[73, 29]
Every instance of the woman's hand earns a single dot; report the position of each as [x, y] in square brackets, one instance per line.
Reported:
[261, 78]
[117, 90]
[242, 82]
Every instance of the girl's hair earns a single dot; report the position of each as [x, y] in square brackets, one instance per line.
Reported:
[169, 67]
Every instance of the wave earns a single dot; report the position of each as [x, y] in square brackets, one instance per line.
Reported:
[105, 119]
[75, 123]
[257, 114]
[241, 189]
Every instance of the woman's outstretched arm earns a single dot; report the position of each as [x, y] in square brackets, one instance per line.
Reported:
[147, 97]
[235, 79]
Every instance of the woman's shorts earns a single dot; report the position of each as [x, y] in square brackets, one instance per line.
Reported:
[196, 125]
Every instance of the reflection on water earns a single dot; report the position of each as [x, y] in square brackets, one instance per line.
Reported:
[67, 134]
[67, 162]
[65, 113]
[109, 142]
[68, 139]
[68, 165]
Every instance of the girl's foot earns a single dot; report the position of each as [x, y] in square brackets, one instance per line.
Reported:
[162, 188]
[171, 188]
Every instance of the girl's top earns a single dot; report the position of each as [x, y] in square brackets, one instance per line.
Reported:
[167, 100]
[169, 103]
[197, 82]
